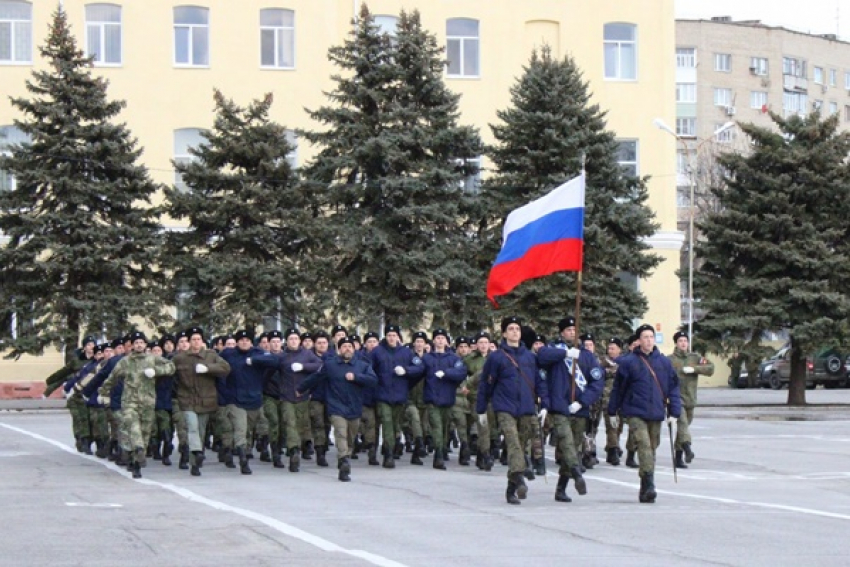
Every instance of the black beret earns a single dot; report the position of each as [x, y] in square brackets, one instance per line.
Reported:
[357, 339]
[180, 335]
[153, 342]
[437, 332]
[392, 329]
[88, 340]
[320, 335]
[195, 331]
[343, 340]
[539, 338]
[290, 332]
[587, 337]
[137, 335]
[631, 339]
[510, 321]
[305, 336]
[371, 335]
[275, 334]
[643, 328]
[241, 334]
[100, 347]
[338, 329]
[263, 335]
[117, 342]
[615, 341]
[419, 335]
[678, 334]
[165, 339]
[482, 335]
[461, 340]
[126, 339]
[566, 322]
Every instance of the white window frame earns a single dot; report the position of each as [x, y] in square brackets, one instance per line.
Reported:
[817, 75]
[726, 136]
[16, 137]
[686, 127]
[722, 97]
[758, 99]
[191, 37]
[280, 32]
[686, 92]
[464, 42]
[847, 80]
[833, 107]
[101, 27]
[723, 62]
[617, 74]
[181, 154]
[686, 57]
[633, 166]
[794, 67]
[760, 66]
[833, 77]
[387, 24]
[16, 28]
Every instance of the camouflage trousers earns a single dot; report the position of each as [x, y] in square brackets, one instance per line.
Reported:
[99, 425]
[461, 419]
[317, 424]
[683, 427]
[116, 429]
[179, 423]
[439, 419]
[296, 423]
[344, 432]
[222, 427]
[162, 425]
[79, 416]
[273, 411]
[488, 435]
[390, 417]
[647, 437]
[414, 420]
[244, 422]
[569, 431]
[518, 431]
[369, 426]
[137, 421]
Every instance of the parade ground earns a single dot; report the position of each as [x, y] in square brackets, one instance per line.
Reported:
[770, 486]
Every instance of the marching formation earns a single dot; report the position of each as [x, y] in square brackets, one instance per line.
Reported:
[283, 393]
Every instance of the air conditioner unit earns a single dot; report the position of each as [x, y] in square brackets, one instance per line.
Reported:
[731, 110]
[754, 70]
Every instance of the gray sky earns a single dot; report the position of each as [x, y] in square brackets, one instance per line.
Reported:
[813, 16]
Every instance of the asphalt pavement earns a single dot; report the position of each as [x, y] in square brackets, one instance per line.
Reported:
[762, 491]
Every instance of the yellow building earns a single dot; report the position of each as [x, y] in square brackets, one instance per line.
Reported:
[164, 58]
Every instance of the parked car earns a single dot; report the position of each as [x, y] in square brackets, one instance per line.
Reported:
[827, 366]
[743, 379]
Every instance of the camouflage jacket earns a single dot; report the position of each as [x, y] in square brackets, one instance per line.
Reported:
[474, 363]
[139, 390]
[688, 382]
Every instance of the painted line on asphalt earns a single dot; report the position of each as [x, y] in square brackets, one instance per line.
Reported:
[282, 527]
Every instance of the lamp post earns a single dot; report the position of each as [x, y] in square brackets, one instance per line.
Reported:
[691, 152]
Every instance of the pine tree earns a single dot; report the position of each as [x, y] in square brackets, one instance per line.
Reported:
[250, 223]
[394, 159]
[82, 237]
[541, 140]
[773, 256]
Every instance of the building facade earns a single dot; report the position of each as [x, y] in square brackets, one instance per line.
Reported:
[165, 58]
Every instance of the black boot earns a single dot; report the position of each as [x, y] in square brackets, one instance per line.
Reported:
[503, 456]
[429, 444]
[521, 487]
[228, 459]
[372, 452]
[647, 485]
[389, 460]
[243, 461]
[102, 451]
[529, 472]
[111, 450]
[630, 460]
[136, 468]
[454, 439]
[689, 454]
[539, 466]
[79, 443]
[222, 454]
[473, 445]
[438, 460]
[86, 443]
[587, 461]
[344, 467]
[167, 449]
[613, 456]
[416, 453]
[123, 458]
[463, 458]
[184, 457]
[294, 460]
[578, 480]
[679, 461]
[561, 490]
[263, 448]
[156, 454]
[358, 446]
[446, 452]
[277, 462]
[321, 458]
[307, 450]
[398, 449]
[197, 461]
[510, 493]
[408, 445]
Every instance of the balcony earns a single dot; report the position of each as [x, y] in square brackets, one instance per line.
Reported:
[795, 84]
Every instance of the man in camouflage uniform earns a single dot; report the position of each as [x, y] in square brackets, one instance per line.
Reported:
[138, 372]
[461, 413]
[474, 363]
[612, 434]
[689, 366]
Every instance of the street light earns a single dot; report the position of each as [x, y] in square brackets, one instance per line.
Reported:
[690, 155]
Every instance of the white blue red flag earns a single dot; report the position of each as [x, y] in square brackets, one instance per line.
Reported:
[541, 238]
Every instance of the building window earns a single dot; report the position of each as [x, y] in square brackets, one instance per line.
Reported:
[686, 57]
[103, 33]
[758, 66]
[681, 162]
[191, 36]
[620, 51]
[758, 100]
[471, 183]
[793, 67]
[795, 103]
[15, 32]
[847, 81]
[462, 47]
[722, 97]
[817, 105]
[723, 62]
[818, 75]
[292, 156]
[683, 197]
[277, 38]
[9, 135]
[833, 77]
[726, 135]
[833, 108]
[184, 139]
[686, 127]
[627, 156]
[686, 92]
[387, 24]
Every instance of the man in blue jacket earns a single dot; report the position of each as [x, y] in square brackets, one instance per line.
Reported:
[510, 379]
[444, 371]
[345, 377]
[646, 393]
[397, 369]
[573, 388]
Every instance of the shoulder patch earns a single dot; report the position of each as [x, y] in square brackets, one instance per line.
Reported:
[542, 374]
[416, 361]
[596, 373]
[459, 364]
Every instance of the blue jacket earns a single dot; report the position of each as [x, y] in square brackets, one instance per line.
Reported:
[368, 391]
[587, 387]
[164, 393]
[344, 397]
[290, 381]
[512, 390]
[393, 389]
[90, 391]
[246, 382]
[320, 392]
[442, 392]
[636, 392]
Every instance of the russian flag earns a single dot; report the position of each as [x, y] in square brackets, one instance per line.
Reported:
[541, 238]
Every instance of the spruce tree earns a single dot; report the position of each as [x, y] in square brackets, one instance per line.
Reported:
[393, 160]
[772, 257]
[249, 223]
[82, 237]
[541, 141]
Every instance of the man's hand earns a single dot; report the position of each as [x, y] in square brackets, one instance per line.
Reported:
[573, 352]
[439, 374]
[615, 421]
[482, 419]
[400, 371]
[150, 372]
[68, 394]
[201, 368]
[349, 376]
[542, 415]
[297, 367]
[248, 361]
[574, 407]
[671, 420]
[104, 400]
[689, 370]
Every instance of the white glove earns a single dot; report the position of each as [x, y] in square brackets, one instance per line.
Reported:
[688, 370]
[85, 397]
[201, 368]
[439, 373]
[615, 421]
[69, 393]
[542, 415]
[400, 371]
[248, 361]
[482, 420]
[297, 367]
[150, 372]
[104, 400]
[672, 420]
[574, 407]
[573, 352]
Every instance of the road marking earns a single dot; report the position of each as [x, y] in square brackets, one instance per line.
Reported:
[92, 505]
[282, 527]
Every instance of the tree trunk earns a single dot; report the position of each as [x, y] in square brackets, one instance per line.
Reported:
[797, 381]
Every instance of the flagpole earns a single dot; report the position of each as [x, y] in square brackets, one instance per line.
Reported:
[581, 267]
